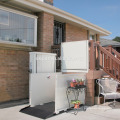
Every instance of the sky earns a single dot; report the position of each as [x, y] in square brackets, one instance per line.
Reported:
[104, 13]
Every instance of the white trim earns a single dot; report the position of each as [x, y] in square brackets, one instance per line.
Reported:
[43, 53]
[41, 6]
[75, 71]
[41, 0]
[35, 33]
[17, 43]
[17, 12]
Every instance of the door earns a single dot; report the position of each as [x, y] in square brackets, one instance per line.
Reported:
[74, 56]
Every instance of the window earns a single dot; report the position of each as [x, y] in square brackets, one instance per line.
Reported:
[4, 17]
[58, 32]
[18, 28]
[92, 37]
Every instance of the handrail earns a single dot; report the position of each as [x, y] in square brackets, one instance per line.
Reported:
[116, 53]
[108, 62]
[109, 54]
[113, 51]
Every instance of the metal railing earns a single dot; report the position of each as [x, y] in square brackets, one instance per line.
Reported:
[57, 49]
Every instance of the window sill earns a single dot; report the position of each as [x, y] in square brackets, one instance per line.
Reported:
[16, 46]
[17, 43]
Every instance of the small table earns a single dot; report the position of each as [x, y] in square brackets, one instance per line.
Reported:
[76, 91]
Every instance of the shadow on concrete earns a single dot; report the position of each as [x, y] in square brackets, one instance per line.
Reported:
[13, 103]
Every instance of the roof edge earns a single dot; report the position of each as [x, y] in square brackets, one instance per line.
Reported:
[58, 12]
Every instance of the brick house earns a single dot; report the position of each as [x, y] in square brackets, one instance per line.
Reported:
[36, 25]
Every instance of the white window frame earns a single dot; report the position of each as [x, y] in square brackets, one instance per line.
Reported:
[23, 14]
[41, 0]
[92, 34]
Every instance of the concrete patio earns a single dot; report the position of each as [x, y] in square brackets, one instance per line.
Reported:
[10, 111]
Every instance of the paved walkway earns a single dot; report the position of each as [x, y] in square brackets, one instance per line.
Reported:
[102, 112]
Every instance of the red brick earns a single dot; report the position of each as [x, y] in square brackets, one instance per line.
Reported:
[14, 76]
[74, 33]
[45, 31]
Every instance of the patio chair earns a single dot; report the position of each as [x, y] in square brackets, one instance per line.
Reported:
[108, 88]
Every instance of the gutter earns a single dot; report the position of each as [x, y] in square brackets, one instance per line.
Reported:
[38, 5]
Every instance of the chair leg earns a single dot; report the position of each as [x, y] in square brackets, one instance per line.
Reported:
[104, 100]
[98, 100]
[114, 103]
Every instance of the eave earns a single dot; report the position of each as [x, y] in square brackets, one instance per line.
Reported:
[37, 6]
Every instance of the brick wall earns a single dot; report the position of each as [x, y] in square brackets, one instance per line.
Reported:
[90, 92]
[14, 76]
[91, 76]
[49, 2]
[74, 33]
[14, 62]
[45, 31]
